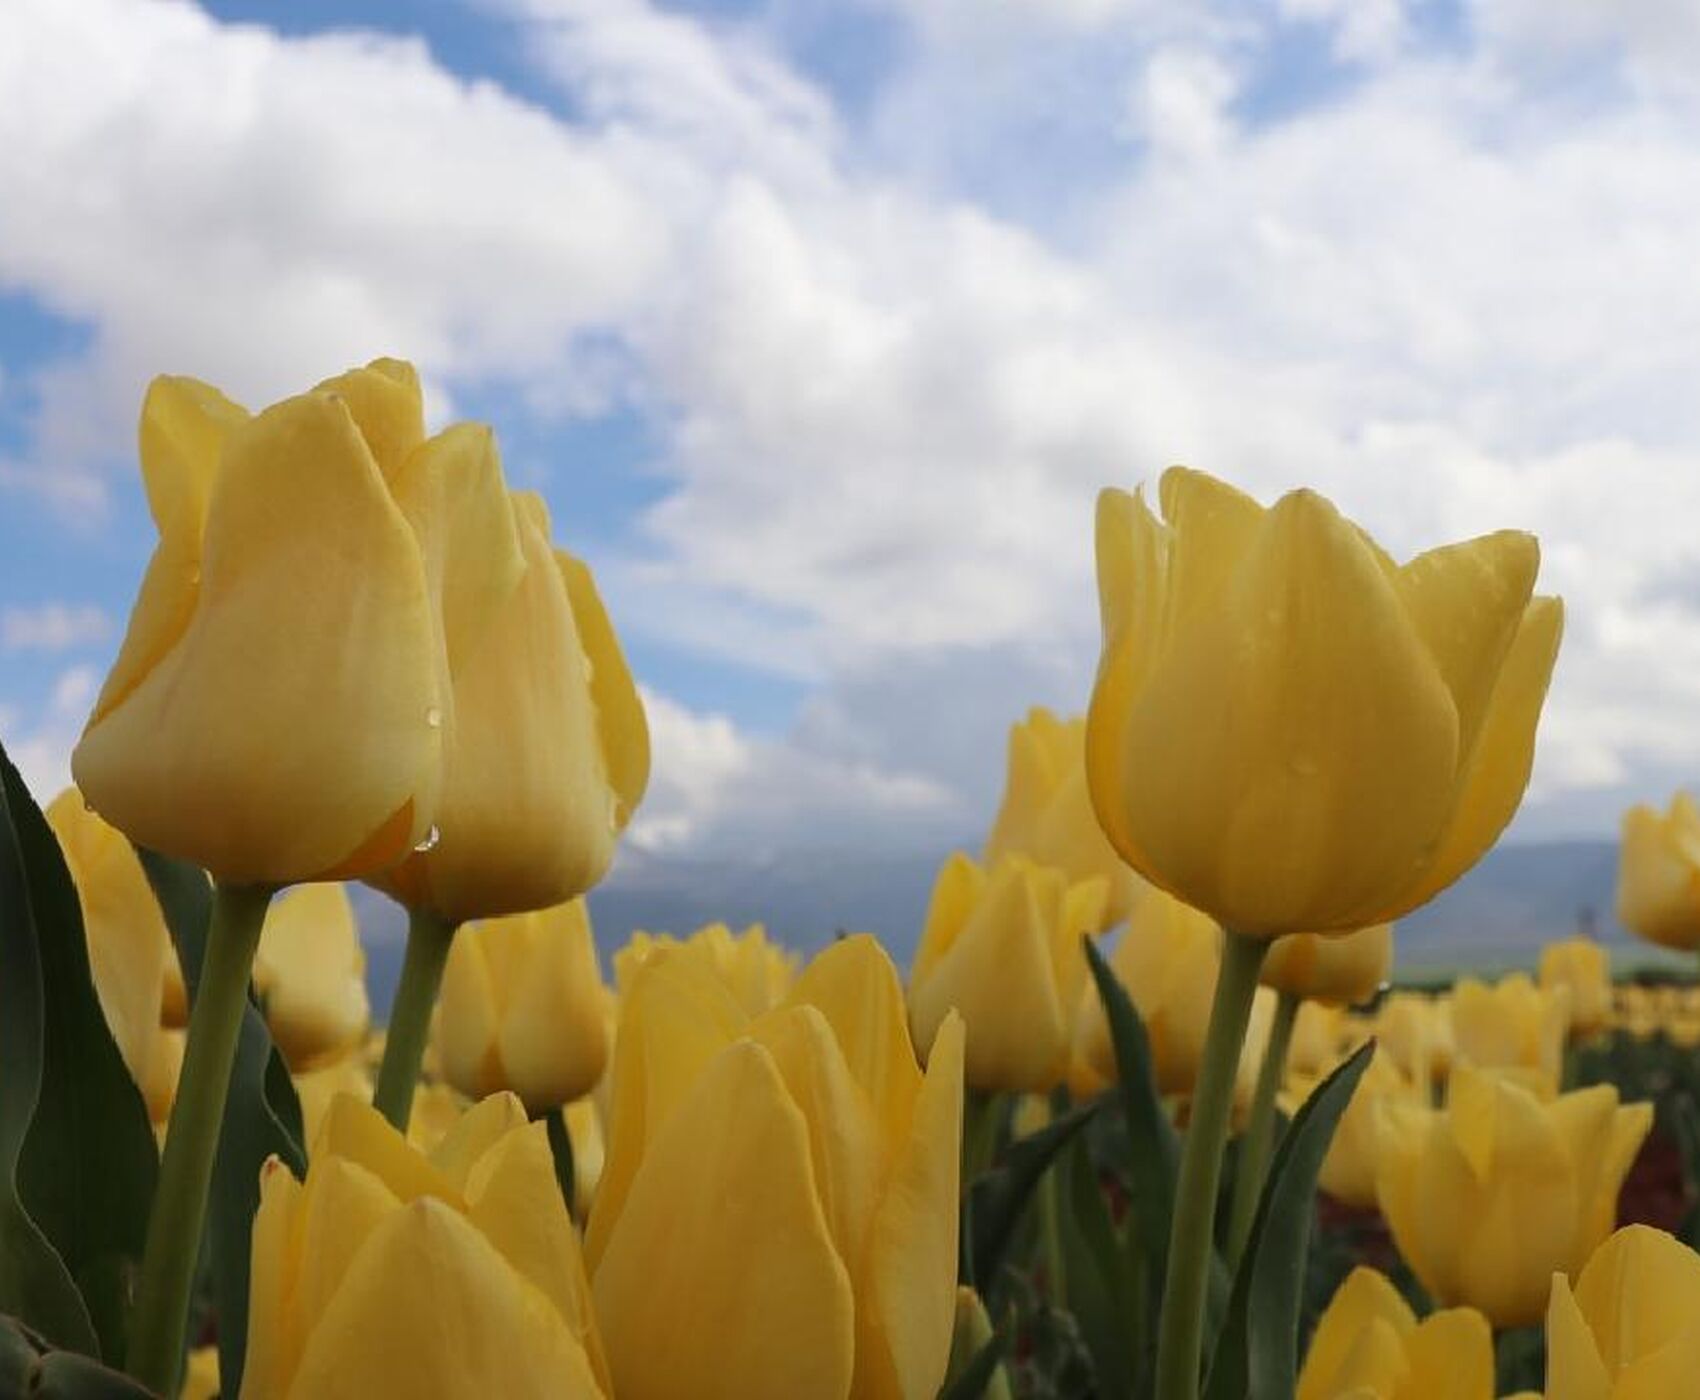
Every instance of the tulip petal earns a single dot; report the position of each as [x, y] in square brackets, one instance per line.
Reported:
[384, 400]
[553, 1043]
[474, 1133]
[1639, 1293]
[1211, 526]
[1575, 1369]
[431, 1311]
[270, 1358]
[1451, 1357]
[1359, 1339]
[311, 653]
[907, 1294]
[469, 1015]
[722, 1279]
[1658, 881]
[1297, 745]
[310, 974]
[1496, 768]
[957, 889]
[620, 721]
[360, 1133]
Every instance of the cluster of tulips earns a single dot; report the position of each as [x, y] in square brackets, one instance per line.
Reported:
[357, 656]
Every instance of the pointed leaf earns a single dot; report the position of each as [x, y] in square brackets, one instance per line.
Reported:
[977, 1375]
[997, 1200]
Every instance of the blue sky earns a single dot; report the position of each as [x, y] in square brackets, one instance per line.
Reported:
[819, 322]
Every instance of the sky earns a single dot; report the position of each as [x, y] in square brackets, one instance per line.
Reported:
[820, 323]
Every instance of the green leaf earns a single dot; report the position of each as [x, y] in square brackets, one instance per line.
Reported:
[997, 1200]
[1257, 1346]
[262, 1116]
[30, 1367]
[77, 1156]
[1107, 1273]
[1154, 1152]
[971, 1383]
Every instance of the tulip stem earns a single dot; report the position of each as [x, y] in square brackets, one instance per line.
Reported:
[178, 1215]
[1181, 1330]
[982, 1116]
[1260, 1128]
[428, 940]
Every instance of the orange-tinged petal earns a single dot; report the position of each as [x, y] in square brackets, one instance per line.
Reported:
[723, 1252]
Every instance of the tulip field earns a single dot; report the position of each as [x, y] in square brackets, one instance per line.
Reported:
[1151, 1112]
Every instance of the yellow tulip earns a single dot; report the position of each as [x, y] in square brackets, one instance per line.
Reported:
[1046, 813]
[1490, 1195]
[449, 1277]
[548, 755]
[1582, 967]
[1658, 874]
[1368, 1345]
[1002, 947]
[201, 1379]
[756, 970]
[1629, 1328]
[1416, 1030]
[1342, 969]
[521, 1008]
[1349, 1169]
[310, 976]
[1513, 1026]
[1319, 1034]
[436, 1109]
[1290, 731]
[316, 1089]
[131, 957]
[277, 710]
[777, 1215]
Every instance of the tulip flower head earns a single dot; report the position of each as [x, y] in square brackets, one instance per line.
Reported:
[387, 1272]
[756, 970]
[1290, 731]
[522, 1008]
[1582, 968]
[1369, 1345]
[1002, 946]
[1512, 1026]
[1629, 1327]
[777, 1215]
[310, 975]
[1046, 813]
[1658, 874]
[1490, 1195]
[1342, 969]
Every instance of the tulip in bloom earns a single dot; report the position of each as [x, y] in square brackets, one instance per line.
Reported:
[450, 1277]
[1290, 731]
[777, 1215]
[1658, 874]
[316, 1089]
[522, 1008]
[1489, 1196]
[1319, 1039]
[131, 957]
[1416, 1030]
[276, 711]
[1369, 1345]
[1512, 1026]
[547, 755]
[1002, 947]
[1046, 813]
[310, 976]
[1582, 968]
[756, 970]
[1349, 1169]
[1631, 1326]
[1339, 969]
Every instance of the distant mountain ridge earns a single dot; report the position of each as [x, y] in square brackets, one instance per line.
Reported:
[1497, 916]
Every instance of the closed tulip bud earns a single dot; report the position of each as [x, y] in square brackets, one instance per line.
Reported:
[777, 1215]
[1368, 1345]
[1319, 1033]
[1046, 813]
[1416, 1030]
[275, 714]
[1581, 968]
[1628, 1328]
[1658, 874]
[1341, 969]
[548, 753]
[1349, 1169]
[310, 976]
[448, 1277]
[522, 1008]
[756, 970]
[1290, 731]
[1002, 947]
[1512, 1026]
[131, 957]
[1489, 1196]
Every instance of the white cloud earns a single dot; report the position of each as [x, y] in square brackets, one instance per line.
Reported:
[1449, 297]
[53, 627]
[41, 748]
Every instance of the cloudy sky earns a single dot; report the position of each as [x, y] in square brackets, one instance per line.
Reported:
[820, 322]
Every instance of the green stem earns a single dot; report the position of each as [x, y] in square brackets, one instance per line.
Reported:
[1181, 1330]
[561, 1148]
[428, 940]
[155, 1355]
[1050, 1235]
[982, 1113]
[1260, 1128]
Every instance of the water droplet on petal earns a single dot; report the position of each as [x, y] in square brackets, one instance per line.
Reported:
[432, 837]
[434, 717]
[89, 806]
